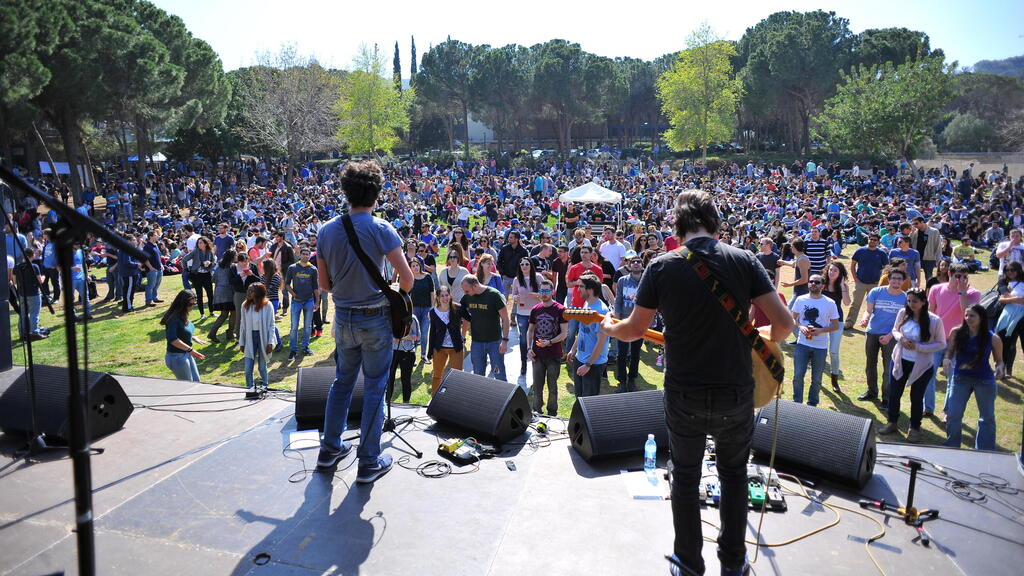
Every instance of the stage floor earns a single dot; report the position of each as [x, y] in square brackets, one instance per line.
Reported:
[191, 492]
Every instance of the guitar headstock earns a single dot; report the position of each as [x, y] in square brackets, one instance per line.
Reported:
[582, 315]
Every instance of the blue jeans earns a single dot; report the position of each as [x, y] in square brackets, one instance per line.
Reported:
[305, 309]
[153, 280]
[183, 365]
[929, 392]
[574, 327]
[423, 317]
[258, 360]
[28, 322]
[82, 294]
[523, 323]
[801, 356]
[985, 395]
[835, 339]
[185, 281]
[362, 341]
[479, 353]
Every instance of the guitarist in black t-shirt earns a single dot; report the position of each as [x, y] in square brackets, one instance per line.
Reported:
[709, 386]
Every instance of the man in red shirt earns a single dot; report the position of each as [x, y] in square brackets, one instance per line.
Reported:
[572, 279]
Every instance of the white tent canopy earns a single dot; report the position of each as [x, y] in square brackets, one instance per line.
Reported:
[158, 157]
[591, 192]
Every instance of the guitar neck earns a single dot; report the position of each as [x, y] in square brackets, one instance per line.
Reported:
[588, 316]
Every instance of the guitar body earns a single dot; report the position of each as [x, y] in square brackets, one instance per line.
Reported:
[766, 387]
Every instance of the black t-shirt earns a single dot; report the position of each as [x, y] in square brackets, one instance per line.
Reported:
[560, 268]
[769, 261]
[703, 346]
[483, 313]
[27, 275]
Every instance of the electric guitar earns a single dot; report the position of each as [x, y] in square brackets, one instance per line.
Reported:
[766, 387]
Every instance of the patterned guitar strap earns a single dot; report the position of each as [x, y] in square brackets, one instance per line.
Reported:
[735, 312]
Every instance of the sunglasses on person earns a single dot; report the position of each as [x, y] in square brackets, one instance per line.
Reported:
[960, 276]
[545, 291]
[524, 264]
[815, 282]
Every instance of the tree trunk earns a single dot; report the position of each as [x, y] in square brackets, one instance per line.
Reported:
[465, 118]
[67, 123]
[88, 166]
[140, 147]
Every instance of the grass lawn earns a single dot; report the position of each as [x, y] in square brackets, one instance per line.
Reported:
[134, 344]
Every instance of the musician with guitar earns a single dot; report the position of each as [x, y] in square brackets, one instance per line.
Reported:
[703, 291]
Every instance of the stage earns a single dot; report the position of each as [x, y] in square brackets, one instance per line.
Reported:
[201, 481]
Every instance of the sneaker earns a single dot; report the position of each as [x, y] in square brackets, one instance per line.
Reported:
[291, 355]
[914, 435]
[307, 352]
[36, 336]
[867, 397]
[252, 393]
[329, 458]
[743, 570]
[370, 474]
[889, 428]
[676, 568]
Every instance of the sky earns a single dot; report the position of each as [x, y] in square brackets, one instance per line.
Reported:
[332, 30]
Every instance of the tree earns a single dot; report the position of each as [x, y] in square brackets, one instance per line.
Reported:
[791, 63]
[290, 106]
[444, 78]
[875, 47]
[412, 61]
[497, 86]
[396, 74]
[699, 94]
[889, 109]
[373, 111]
[969, 133]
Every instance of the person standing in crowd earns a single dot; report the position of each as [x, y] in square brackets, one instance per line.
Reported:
[224, 296]
[484, 311]
[912, 258]
[509, 257]
[223, 241]
[801, 265]
[966, 362]
[361, 318]
[283, 255]
[927, 241]
[452, 274]
[257, 336]
[709, 384]
[816, 316]
[547, 330]
[1009, 326]
[627, 367]
[769, 259]
[181, 357]
[838, 291]
[949, 301]
[881, 307]
[486, 274]
[525, 295]
[29, 279]
[866, 266]
[445, 346]
[817, 250]
[404, 359]
[572, 279]
[559, 269]
[1011, 250]
[919, 334]
[154, 269]
[588, 355]
[130, 273]
[200, 263]
[423, 299]
[79, 284]
[302, 283]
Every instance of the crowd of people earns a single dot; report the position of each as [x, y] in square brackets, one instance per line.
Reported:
[495, 256]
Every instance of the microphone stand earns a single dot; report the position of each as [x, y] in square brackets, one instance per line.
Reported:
[71, 228]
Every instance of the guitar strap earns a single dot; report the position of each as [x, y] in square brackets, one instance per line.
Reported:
[738, 314]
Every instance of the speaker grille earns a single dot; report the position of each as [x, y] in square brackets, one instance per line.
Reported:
[618, 424]
[827, 443]
[107, 408]
[311, 388]
[491, 408]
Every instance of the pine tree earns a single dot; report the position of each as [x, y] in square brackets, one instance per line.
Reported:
[397, 70]
[412, 67]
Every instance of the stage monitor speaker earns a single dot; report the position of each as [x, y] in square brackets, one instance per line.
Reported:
[107, 410]
[823, 443]
[618, 424]
[311, 388]
[491, 409]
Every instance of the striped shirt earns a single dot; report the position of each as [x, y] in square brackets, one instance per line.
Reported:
[817, 253]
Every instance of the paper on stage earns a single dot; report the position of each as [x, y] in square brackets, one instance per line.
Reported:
[640, 487]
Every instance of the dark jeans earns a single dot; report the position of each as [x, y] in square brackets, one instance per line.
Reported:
[917, 388]
[1010, 345]
[627, 365]
[405, 361]
[202, 282]
[727, 414]
[871, 348]
[590, 383]
[51, 283]
[546, 369]
[131, 284]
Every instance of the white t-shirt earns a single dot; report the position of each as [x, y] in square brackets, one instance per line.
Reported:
[1015, 255]
[818, 312]
[613, 252]
[190, 242]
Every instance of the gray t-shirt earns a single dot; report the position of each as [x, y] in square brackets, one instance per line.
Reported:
[352, 285]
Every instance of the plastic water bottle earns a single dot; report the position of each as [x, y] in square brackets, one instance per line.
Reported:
[651, 458]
